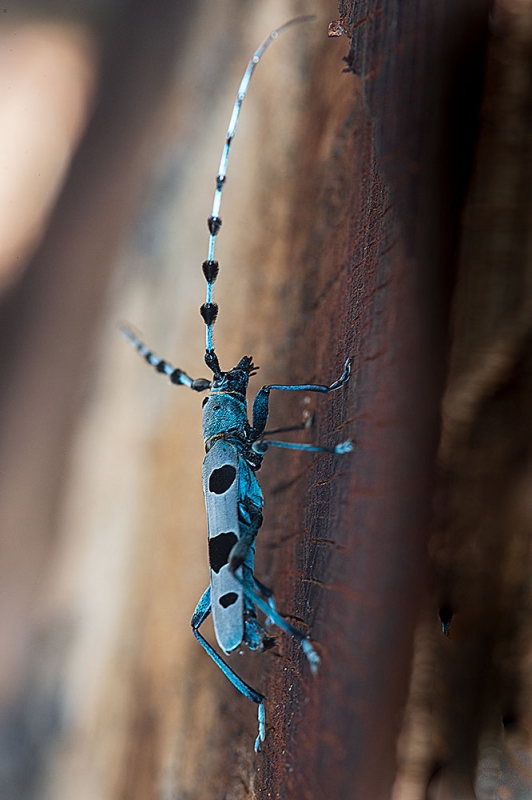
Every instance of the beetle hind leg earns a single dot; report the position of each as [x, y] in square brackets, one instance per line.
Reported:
[201, 612]
[255, 596]
[255, 636]
[250, 520]
[267, 594]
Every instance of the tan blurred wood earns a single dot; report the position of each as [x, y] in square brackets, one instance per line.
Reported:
[48, 72]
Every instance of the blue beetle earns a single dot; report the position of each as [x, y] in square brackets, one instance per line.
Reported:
[234, 450]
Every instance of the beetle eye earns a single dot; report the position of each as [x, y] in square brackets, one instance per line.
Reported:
[204, 401]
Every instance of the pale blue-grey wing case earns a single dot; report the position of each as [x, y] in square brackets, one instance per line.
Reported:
[220, 487]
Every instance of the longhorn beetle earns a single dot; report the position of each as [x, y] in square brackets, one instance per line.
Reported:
[234, 452]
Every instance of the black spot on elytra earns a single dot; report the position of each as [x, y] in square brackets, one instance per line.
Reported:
[219, 548]
[228, 599]
[221, 479]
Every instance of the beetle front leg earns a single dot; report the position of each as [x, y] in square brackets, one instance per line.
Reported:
[262, 398]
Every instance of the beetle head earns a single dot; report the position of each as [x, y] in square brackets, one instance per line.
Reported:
[236, 380]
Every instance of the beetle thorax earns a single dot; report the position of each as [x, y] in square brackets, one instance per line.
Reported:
[223, 412]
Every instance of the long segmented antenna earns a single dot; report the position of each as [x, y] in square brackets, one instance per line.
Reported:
[176, 375]
[209, 310]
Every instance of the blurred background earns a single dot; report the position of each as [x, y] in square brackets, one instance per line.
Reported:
[378, 207]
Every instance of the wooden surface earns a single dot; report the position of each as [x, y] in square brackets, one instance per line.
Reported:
[343, 236]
